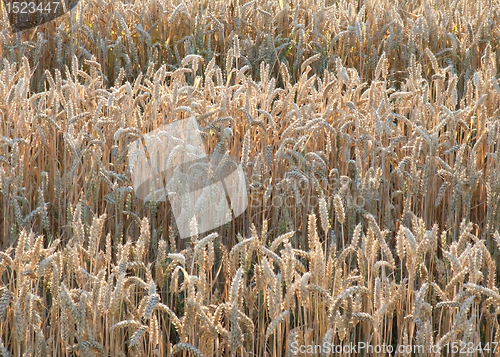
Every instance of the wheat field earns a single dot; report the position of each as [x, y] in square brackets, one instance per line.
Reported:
[368, 132]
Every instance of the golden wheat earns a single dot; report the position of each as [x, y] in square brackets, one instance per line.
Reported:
[378, 119]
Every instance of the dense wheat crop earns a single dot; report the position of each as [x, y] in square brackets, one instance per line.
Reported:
[368, 132]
